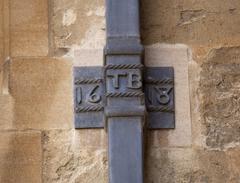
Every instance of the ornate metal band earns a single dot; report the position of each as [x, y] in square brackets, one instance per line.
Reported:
[160, 109]
[87, 81]
[125, 94]
[159, 98]
[123, 83]
[89, 109]
[124, 66]
[159, 81]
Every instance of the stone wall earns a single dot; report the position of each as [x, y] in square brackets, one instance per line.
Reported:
[40, 41]
[210, 30]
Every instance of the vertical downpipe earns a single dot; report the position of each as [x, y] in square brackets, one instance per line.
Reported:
[125, 103]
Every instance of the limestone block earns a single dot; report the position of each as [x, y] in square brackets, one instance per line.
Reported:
[4, 76]
[1, 33]
[77, 24]
[20, 157]
[29, 27]
[192, 165]
[90, 139]
[5, 25]
[88, 57]
[75, 156]
[6, 112]
[1, 51]
[1, 81]
[215, 166]
[218, 98]
[176, 56]
[168, 165]
[42, 92]
[191, 22]
[6, 100]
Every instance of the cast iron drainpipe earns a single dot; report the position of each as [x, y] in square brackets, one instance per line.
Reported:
[112, 97]
[125, 116]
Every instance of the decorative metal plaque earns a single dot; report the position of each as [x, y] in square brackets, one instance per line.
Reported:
[124, 80]
[89, 93]
[88, 97]
[159, 97]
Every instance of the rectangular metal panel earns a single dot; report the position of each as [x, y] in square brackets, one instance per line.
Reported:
[90, 114]
[159, 97]
[88, 97]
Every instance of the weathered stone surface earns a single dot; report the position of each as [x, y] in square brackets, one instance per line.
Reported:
[75, 156]
[168, 165]
[1, 82]
[4, 77]
[29, 27]
[20, 157]
[4, 28]
[1, 34]
[176, 56]
[6, 100]
[77, 24]
[6, 112]
[218, 94]
[4, 35]
[88, 57]
[192, 166]
[42, 91]
[233, 165]
[1, 52]
[215, 166]
[190, 22]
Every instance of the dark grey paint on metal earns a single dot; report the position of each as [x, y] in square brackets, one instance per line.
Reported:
[125, 150]
[159, 97]
[113, 97]
[124, 90]
[160, 115]
[88, 97]
[124, 113]
[123, 35]
[122, 18]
